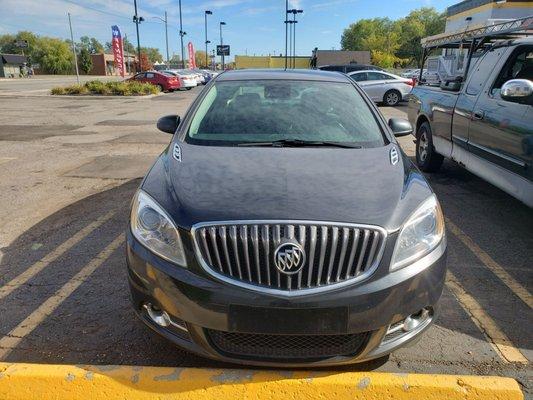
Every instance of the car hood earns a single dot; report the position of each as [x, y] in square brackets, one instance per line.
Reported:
[294, 183]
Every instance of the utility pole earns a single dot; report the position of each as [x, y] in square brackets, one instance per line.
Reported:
[221, 43]
[182, 33]
[137, 21]
[293, 34]
[127, 55]
[206, 13]
[286, 29]
[74, 50]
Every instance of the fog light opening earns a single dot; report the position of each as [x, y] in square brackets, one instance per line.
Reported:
[413, 322]
[160, 317]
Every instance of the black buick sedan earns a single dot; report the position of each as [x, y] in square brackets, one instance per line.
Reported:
[284, 226]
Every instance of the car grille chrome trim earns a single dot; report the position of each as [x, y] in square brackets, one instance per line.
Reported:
[240, 252]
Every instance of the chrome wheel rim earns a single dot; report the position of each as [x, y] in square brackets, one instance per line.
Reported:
[392, 98]
[423, 147]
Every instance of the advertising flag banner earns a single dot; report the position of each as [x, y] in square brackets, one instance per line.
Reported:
[192, 61]
[118, 50]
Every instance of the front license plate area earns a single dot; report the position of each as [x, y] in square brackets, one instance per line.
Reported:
[288, 320]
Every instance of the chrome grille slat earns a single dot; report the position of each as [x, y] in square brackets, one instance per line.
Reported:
[243, 252]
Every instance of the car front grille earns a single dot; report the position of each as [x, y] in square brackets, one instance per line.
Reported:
[244, 252]
[286, 347]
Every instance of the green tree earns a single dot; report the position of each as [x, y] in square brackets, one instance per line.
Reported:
[353, 37]
[84, 60]
[92, 45]
[7, 44]
[128, 46]
[54, 56]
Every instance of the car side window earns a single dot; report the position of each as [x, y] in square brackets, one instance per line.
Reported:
[376, 76]
[519, 66]
[139, 76]
[361, 76]
[150, 75]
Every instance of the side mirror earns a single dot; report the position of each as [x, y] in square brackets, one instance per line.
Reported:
[518, 91]
[400, 127]
[168, 123]
[452, 86]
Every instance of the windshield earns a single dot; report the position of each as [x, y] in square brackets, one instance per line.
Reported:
[237, 112]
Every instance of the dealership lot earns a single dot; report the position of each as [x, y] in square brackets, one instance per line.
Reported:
[70, 167]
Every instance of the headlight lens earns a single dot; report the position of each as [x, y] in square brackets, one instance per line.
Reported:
[152, 226]
[421, 233]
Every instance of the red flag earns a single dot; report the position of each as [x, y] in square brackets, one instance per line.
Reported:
[192, 61]
[118, 50]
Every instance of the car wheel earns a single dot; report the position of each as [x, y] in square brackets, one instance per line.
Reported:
[189, 88]
[426, 158]
[161, 88]
[392, 98]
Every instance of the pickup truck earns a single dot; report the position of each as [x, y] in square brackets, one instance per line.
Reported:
[484, 121]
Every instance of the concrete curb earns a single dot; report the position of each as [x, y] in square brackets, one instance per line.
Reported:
[58, 382]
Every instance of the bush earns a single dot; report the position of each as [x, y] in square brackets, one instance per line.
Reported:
[125, 88]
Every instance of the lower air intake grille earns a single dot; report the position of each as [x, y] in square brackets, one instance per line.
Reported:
[287, 347]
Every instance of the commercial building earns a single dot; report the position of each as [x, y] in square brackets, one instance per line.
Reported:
[11, 65]
[104, 64]
[242, 62]
[472, 13]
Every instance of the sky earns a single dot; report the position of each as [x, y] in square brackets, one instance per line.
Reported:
[253, 26]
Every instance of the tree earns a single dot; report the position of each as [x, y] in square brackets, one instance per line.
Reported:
[7, 44]
[54, 56]
[153, 54]
[128, 46]
[84, 60]
[146, 65]
[199, 58]
[175, 59]
[92, 45]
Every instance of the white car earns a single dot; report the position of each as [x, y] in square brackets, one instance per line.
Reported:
[188, 80]
[383, 87]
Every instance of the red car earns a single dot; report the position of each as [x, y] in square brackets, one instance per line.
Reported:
[166, 82]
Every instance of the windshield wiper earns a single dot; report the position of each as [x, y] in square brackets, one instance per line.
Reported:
[301, 143]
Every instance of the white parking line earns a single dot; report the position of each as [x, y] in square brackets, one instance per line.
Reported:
[38, 266]
[13, 338]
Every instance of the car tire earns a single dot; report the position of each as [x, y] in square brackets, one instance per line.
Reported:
[392, 97]
[161, 88]
[427, 159]
[189, 88]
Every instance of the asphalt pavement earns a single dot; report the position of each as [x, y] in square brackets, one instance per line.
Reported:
[69, 168]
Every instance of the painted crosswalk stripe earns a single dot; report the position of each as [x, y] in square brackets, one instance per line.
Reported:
[494, 335]
[13, 338]
[38, 266]
[491, 264]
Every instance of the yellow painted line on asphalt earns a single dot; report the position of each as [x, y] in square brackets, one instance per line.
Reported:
[495, 336]
[61, 382]
[38, 266]
[13, 338]
[489, 262]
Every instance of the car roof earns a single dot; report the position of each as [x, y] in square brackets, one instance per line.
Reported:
[281, 74]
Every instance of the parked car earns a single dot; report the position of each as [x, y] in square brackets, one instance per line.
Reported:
[165, 81]
[187, 81]
[484, 122]
[383, 87]
[282, 226]
[346, 69]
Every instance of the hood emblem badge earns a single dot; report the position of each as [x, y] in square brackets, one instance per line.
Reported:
[176, 152]
[289, 258]
[394, 156]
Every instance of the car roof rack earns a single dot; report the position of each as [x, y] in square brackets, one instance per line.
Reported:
[502, 30]
[476, 37]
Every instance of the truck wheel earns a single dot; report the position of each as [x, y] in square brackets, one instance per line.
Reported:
[392, 98]
[426, 157]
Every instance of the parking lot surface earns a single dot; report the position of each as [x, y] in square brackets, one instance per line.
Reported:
[69, 168]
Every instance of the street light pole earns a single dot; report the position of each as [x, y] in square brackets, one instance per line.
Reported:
[206, 13]
[166, 35]
[293, 34]
[182, 33]
[221, 43]
[137, 21]
[286, 29]
[74, 50]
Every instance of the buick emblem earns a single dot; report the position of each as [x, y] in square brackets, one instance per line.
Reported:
[289, 258]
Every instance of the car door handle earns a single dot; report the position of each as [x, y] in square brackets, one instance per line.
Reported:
[478, 115]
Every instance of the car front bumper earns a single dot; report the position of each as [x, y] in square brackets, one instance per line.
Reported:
[199, 306]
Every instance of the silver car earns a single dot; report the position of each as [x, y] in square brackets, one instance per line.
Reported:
[382, 86]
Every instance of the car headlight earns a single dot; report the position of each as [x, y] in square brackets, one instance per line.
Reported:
[152, 226]
[420, 234]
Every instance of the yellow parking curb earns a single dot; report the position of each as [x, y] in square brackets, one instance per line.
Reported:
[58, 382]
